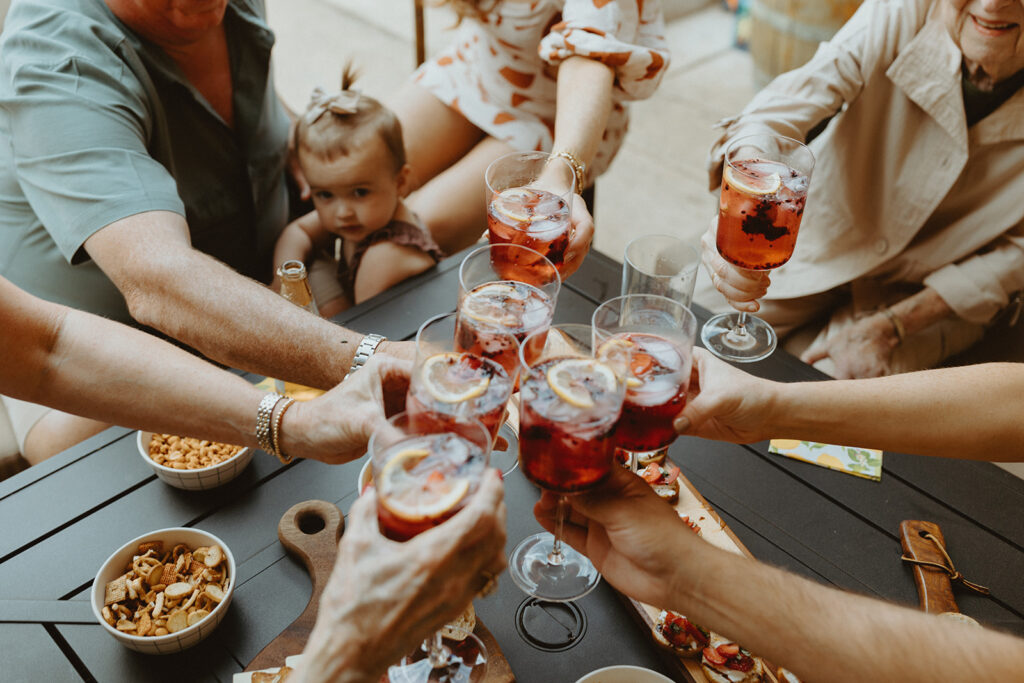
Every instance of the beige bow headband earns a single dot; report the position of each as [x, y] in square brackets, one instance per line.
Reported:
[321, 102]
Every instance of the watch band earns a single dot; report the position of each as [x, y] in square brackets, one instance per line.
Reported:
[367, 346]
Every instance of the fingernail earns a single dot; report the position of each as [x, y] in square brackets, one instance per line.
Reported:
[681, 424]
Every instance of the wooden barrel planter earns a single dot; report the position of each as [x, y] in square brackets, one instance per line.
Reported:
[784, 34]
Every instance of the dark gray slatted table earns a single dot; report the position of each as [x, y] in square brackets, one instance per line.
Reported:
[61, 520]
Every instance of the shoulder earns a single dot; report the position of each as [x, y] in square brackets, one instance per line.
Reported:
[48, 32]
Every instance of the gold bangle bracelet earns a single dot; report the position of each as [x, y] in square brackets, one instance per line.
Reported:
[275, 431]
[579, 169]
[897, 324]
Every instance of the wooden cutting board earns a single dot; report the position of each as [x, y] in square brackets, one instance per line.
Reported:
[310, 532]
[714, 531]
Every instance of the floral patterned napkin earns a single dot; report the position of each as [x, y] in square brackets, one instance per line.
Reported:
[860, 462]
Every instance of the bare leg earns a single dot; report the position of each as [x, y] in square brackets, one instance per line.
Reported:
[57, 431]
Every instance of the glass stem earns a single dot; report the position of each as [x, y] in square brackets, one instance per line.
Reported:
[438, 655]
[741, 325]
[555, 556]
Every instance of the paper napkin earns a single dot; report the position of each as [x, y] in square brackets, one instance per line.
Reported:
[860, 462]
[296, 391]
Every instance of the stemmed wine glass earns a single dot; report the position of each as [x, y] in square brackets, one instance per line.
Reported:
[657, 334]
[764, 189]
[570, 404]
[424, 473]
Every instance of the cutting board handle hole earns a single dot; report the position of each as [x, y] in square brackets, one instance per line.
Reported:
[922, 533]
[311, 523]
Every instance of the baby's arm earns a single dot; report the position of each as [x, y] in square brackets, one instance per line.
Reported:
[297, 241]
[384, 265]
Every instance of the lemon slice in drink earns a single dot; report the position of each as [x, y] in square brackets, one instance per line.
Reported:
[619, 351]
[573, 379]
[510, 203]
[415, 497]
[746, 184]
[447, 386]
[486, 304]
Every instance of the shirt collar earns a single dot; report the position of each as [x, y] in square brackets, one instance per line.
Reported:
[927, 70]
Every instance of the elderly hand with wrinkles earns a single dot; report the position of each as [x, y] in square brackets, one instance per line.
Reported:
[385, 597]
[739, 286]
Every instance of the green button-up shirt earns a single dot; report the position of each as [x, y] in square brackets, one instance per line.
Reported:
[97, 124]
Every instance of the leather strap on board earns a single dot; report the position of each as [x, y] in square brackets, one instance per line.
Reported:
[925, 548]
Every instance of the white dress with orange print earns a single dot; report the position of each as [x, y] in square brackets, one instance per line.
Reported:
[499, 71]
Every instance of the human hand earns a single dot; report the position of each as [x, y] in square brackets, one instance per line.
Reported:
[336, 427]
[724, 403]
[860, 349]
[580, 237]
[384, 597]
[739, 286]
[632, 537]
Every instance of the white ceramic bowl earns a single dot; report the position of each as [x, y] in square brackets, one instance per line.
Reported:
[624, 674]
[196, 480]
[173, 642]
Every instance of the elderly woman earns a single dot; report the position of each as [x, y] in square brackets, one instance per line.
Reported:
[913, 237]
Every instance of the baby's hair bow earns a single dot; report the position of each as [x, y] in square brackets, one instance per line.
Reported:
[321, 102]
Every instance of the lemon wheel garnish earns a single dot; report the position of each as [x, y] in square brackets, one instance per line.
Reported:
[757, 187]
[569, 379]
[415, 498]
[618, 350]
[485, 304]
[515, 197]
[448, 387]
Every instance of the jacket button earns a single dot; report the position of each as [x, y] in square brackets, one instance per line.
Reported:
[882, 245]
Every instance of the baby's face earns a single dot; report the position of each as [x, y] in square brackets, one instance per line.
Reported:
[358, 193]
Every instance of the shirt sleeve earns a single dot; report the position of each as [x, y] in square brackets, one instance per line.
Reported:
[78, 135]
[978, 287]
[625, 35]
[797, 101]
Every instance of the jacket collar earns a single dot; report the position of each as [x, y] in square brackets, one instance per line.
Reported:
[927, 70]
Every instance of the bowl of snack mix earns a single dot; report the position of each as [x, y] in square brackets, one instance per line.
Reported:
[193, 464]
[164, 591]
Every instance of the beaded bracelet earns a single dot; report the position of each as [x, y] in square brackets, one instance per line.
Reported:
[275, 431]
[263, 415]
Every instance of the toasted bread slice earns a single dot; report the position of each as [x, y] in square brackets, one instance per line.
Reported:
[645, 458]
[679, 635]
[668, 492]
[731, 662]
[461, 628]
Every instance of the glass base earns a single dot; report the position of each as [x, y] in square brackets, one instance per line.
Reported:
[570, 579]
[722, 338]
[506, 459]
[464, 661]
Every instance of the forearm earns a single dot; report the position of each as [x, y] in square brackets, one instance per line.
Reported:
[963, 412]
[823, 634]
[113, 373]
[584, 102]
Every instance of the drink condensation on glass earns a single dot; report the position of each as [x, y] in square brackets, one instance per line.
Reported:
[656, 334]
[530, 195]
[760, 209]
[449, 384]
[492, 306]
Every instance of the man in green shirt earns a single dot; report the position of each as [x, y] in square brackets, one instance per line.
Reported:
[142, 177]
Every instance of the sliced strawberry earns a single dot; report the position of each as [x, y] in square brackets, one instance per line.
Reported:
[713, 657]
[729, 649]
[740, 662]
[696, 632]
[652, 473]
[673, 474]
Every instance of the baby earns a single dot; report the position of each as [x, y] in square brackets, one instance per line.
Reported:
[351, 153]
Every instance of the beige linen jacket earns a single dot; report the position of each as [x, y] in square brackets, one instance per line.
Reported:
[902, 191]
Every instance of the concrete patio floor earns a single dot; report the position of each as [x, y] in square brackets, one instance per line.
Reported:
[658, 182]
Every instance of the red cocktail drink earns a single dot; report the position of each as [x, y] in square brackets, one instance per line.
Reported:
[655, 392]
[424, 480]
[490, 312]
[456, 386]
[569, 410]
[531, 218]
[760, 209]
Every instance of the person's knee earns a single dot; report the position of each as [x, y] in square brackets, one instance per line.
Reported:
[56, 432]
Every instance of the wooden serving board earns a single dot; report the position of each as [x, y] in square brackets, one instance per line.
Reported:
[714, 531]
[310, 531]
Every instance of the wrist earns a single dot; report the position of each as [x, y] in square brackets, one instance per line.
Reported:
[891, 327]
